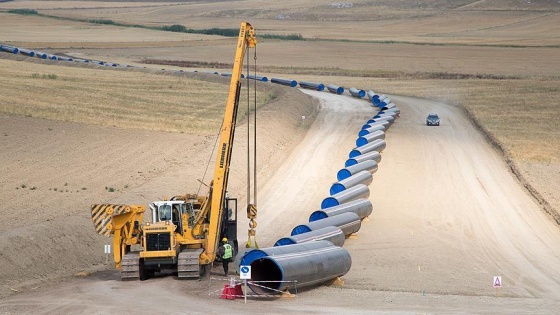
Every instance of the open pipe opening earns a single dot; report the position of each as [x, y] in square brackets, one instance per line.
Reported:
[267, 270]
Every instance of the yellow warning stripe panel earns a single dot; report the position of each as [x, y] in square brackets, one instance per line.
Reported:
[102, 215]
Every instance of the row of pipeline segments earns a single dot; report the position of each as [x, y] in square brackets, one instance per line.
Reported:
[313, 253]
[286, 82]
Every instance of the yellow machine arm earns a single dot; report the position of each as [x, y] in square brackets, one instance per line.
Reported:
[245, 40]
[123, 222]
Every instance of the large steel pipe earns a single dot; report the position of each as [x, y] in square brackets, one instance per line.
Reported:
[357, 93]
[388, 106]
[363, 177]
[369, 165]
[348, 222]
[255, 254]
[41, 55]
[53, 57]
[385, 114]
[373, 155]
[361, 207]
[65, 59]
[312, 85]
[271, 275]
[382, 125]
[365, 139]
[10, 49]
[391, 110]
[27, 52]
[331, 233]
[335, 89]
[376, 145]
[353, 193]
[370, 95]
[256, 77]
[388, 118]
[287, 82]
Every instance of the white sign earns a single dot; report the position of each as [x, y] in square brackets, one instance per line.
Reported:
[107, 249]
[245, 272]
[497, 281]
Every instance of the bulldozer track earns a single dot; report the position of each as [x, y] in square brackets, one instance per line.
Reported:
[130, 266]
[188, 265]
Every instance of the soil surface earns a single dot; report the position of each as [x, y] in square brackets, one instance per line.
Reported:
[448, 216]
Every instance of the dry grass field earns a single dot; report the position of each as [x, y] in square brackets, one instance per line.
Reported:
[96, 95]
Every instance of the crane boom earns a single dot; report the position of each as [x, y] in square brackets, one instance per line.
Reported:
[221, 170]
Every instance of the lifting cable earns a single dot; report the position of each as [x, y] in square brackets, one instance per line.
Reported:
[252, 207]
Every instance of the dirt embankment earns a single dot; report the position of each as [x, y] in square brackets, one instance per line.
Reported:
[53, 171]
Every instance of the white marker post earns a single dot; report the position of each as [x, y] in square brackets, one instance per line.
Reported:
[107, 252]
[497, 283]
[245, 274]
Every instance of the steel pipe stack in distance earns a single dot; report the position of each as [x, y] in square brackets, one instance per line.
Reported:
[357, 93]
[365, 139]
[27, 52]
[381, 126]
[258, 78]
[10, 49]
[335, 89]
[286, 82]
[312, 85]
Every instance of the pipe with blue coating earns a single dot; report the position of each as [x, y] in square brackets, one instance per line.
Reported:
[332, 234]
[357, 93]
[376, 145]
[352, 193]
[374, 127]
[41, 55]
[367, 165]
[391, 110]
[27, 52]
[388, 106]
[373, 155]
[53, 57]
[335, 89]
[388, 118]
[273, 275]
[348, 222]
[10, 49]
[363, 177]
[312, 85]
[256, 77]
[370, 95]
[365, 139]
[287, 82]
[361, 207]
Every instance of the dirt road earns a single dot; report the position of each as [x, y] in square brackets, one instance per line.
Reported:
[448, 216]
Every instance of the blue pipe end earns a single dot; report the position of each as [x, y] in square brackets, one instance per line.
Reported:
[329, 202]
[251, 256]
[336, 188]
[318, 215]
[300, 229]
[343, 174]
[353, 154]
[284, 241]
[363, 133]
[366, 126]
[361, 141]
[350, 162]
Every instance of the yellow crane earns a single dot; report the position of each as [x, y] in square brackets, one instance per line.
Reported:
[184, 231]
